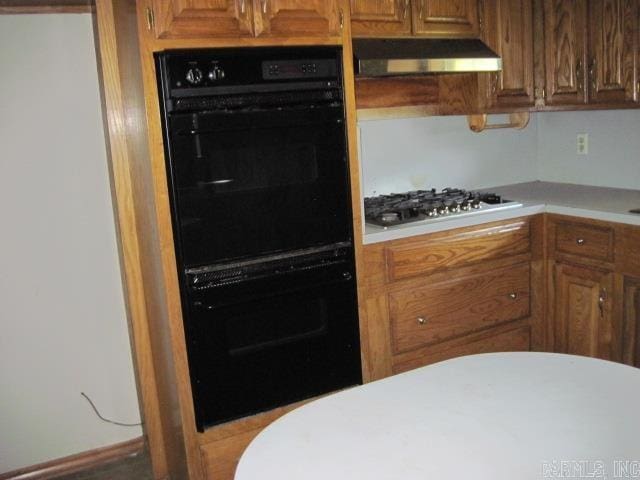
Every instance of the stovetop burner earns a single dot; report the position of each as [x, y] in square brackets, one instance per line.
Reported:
[399, 208]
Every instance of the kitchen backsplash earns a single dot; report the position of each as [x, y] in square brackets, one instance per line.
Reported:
[613, 159]
[407, 154]
[418, 153]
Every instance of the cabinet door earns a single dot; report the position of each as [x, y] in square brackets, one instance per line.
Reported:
[631, 322]
[446, 18]
[298, 17]
[509, 32]
[380, 17]
[202, 18]
[612, 27]
[583, 317]
[565, 51]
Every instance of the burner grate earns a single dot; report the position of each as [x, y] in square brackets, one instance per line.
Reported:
[399, 208]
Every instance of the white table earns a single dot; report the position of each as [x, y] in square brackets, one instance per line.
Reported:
[511, 416]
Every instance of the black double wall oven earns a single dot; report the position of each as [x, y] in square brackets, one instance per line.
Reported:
[259, 189]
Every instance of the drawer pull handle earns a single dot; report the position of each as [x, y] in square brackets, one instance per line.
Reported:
[513, 296]
[422, 320]
[580, 241]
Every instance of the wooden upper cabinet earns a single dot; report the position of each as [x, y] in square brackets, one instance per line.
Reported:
[565, 51]
[245, 18]
[298, 17]
[612, 27]
[202, 18]
[446, 18]
[583, 311]
[371, 18]
[508, 30]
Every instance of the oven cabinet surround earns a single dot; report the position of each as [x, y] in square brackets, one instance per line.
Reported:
[131, 32]
[244, 18]
[437, 296]
[593, 288]
[430, 18]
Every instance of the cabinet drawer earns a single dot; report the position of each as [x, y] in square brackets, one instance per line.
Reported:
[439, 252]
[585, 240]
[442, 311]
[513, 340]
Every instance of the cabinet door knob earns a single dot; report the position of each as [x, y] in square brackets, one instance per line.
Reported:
[580, 241]
[513, 295]
[422, 320]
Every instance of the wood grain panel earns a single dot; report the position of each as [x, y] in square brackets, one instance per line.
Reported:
[509, 32]
[446, 18]
[612, 28]
[631, 322]
[123, 97]
[584, 324]
[477, 244]
[46, 6]
[202, 18]
[396, 91]
[435, 313]
[297, 17]
[379, 336]
[585, 241]
[565, 51]
[386, 18]
[220, 458]
[630, 250]
[509, 339]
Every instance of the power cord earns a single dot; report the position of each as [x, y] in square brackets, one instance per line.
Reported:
[106, 419]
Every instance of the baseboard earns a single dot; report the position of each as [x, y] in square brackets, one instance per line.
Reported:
[74, 463]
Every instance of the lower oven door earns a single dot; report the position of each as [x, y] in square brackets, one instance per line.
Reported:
[253, 354]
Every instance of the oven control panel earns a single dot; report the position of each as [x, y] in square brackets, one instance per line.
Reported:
[292, 69]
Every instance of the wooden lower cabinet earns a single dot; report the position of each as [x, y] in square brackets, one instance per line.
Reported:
[631, 321]
[470, 290]
[220, 458]
[583, 311]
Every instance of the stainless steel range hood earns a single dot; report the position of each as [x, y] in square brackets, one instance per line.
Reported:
[380, 57]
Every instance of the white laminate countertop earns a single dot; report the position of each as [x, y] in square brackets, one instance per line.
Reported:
[598, 203]
[497, 416]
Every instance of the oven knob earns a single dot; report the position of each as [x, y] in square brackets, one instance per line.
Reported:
[216, 73]
[346, 275]
[194, 76]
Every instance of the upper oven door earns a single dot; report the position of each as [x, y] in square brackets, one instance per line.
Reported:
[249, 183]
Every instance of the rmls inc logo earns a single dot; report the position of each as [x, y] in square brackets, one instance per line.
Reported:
[591, 469]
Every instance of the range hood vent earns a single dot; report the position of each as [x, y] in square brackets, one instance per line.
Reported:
[382, 57]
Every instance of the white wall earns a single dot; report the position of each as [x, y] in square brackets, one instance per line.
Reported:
[63, 325]
[614, 148]
[417, 153]
[406, 154]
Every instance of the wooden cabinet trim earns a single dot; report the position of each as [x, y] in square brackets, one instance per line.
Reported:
[631, 322]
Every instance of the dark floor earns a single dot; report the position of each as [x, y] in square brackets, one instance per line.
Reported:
[136, 467]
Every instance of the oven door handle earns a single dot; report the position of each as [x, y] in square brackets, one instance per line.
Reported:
[202, 305]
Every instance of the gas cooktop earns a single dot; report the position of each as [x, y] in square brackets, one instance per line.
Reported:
[399, 208]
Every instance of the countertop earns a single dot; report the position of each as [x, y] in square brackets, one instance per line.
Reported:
[598, 203]
[499, 416]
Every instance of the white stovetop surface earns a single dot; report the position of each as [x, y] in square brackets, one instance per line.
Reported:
[500, 416]
[598, 203]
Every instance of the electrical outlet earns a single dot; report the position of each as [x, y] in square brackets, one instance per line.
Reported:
[582, 144]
